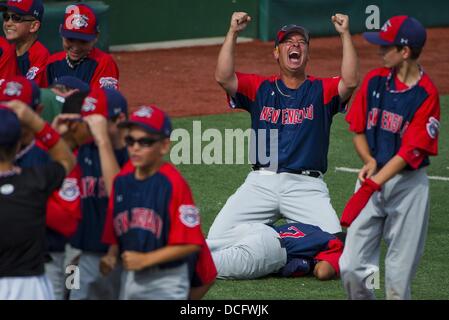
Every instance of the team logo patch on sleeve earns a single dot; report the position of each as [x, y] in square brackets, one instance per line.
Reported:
[190, 215]
[32, 73]
[433, 127]
[13, 89]
[69, 190]
[108, 82]
[89, 104]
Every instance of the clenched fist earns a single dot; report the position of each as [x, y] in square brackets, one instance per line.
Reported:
[341, 23]
[239, 21]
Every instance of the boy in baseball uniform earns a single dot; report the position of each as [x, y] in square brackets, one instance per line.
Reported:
[22, 21]
[395, 118]
[152, 221]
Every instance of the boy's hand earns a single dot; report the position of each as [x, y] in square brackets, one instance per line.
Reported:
[368, 170]
[98, 126]
[134, 261]
[107, 264]
[61, 122]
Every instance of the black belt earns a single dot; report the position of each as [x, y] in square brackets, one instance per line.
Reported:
[310, 173]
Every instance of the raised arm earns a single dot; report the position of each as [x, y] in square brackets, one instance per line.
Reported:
[350, 63]
[57, 148]
[109, 166]
[225, 72]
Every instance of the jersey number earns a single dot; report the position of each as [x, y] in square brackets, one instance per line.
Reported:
[296, 233]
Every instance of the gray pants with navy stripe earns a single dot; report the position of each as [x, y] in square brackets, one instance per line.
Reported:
[399, 214]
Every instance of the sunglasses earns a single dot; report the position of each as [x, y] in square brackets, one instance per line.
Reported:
[15, 18]
[142, 142]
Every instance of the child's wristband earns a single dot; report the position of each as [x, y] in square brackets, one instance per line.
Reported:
[47, 136]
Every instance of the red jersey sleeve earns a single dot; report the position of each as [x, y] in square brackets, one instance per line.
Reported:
[205, 270]
[332, 254]
[8, 60]
[248, 85]
[106, 74]
[64, 205]
[38, 62]
[356, 116]
[420, 138]
[185, 224]
[331, 97]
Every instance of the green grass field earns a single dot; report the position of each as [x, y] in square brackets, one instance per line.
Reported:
[213, 184]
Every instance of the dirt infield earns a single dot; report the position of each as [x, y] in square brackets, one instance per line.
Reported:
[181, 81]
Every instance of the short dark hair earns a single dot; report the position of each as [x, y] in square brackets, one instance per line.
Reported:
[74, 102]
[415, 52]
[8, 152]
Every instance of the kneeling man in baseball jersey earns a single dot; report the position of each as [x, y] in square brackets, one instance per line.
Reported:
[152, 220]
[291, 116]
[395, 119]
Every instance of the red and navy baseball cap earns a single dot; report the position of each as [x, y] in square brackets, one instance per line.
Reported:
[80, 22]
[33, 8]
[151, 119]
[399, 30]
[106, 102]
[20, 88]
[289, 29]
[9, 127]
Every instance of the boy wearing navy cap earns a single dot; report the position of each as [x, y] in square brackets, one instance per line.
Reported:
[80, 58]
[101, 154]
[151, 215]
[395, 118]
[22, 21]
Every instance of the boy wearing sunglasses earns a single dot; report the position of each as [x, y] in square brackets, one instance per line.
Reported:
[101, 154]
[395, 118]
[152, 220]
[80, 58]
[21, 24]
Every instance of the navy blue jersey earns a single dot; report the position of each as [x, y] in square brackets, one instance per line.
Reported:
[94, 198]
[146, 215]
[396, 119]
[98, 69]
[312, 240]
[302, 118]
[305, 241]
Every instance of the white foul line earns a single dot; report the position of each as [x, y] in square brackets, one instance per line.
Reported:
[353, 170]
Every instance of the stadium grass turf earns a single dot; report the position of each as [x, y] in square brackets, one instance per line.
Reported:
[213, 184]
